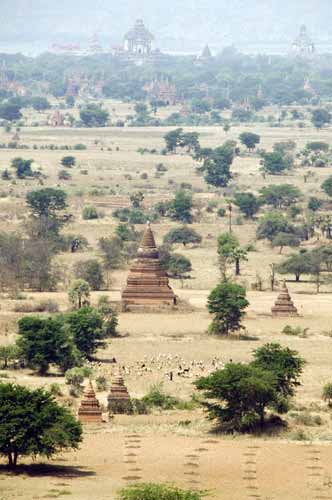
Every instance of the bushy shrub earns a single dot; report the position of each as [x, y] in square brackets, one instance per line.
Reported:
[90, 213]
[154, 491]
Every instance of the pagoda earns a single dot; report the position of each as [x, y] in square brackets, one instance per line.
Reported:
[147, 282]
[284, 305]
[89, 410]
[118, 396]
[303, 46]
[138, 41]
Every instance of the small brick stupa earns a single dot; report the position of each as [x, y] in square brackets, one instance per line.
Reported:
[147, 282]
[284, 305]
[89, 411]
[118, 393]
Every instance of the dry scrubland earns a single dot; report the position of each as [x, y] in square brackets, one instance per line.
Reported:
[177, 445]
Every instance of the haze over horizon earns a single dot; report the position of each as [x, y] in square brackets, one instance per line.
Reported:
[176, 26]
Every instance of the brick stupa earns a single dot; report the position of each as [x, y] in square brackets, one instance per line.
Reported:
[147, 282]
[119, 394]
[89, 410]
[284, 305]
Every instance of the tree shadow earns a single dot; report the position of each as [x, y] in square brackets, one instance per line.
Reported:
[273, 426]
[39, 470]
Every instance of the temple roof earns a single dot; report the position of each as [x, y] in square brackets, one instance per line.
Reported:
[206, 54]
[148, 240]
[139, 33]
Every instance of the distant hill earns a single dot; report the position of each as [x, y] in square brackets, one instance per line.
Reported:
[182, 25]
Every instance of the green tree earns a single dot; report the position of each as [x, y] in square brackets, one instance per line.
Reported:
[248, 203]
[137, 199]
[112, 252]
[275, 163]
[229, 251]
[184, 235]
[44, 341]
[250, 140]
[86, 328]
[327, 394]
[200, 106]
[318, 146]
[284, 363]
[90, 271]
[79, 293]
[179, 266]
[315, 203]
[217, 166]
[10, 111]
[22, 167]
[227, 303]
[48, 210]
[93, 115]
[9, 353]
[327, 186]
[68, 161]
[181, 206]
[32, 423]
[39, 103]
[240, 395]
[280, 195]
[296, 264]
[109, 315]
[90, 212]
[282, 240]
[320, 117]
[271, 224]
[173, 140]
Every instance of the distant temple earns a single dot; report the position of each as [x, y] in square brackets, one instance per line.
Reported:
[138, 41]
[147, 282]
[206, 54]
[89, 410]
[284, 305]
[303, 46]
[163, 91]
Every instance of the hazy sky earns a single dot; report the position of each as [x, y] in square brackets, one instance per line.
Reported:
[189, 21]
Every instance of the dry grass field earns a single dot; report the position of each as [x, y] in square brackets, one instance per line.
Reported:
[295, 463]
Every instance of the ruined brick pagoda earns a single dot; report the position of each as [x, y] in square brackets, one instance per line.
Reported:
[89, 410]
[147, 282]
[118, 394]
[284, 305]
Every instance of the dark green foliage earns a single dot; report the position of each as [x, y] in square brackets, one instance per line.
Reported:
[248, 203]
[184, 235]
[216, 166]
[273, 223]
[91, 271]
[280, 195]
[327, 186]
[10, 111]
[181, 206]
[94, 116]
[86, 328]
[318, 146]
[46, 202]
[45, 341]
[9, 354]
[227, 303]
[241, 393]
[22, 167]
[157, 398]
[275, 163]
[314, 203]
[284, 363]
[39, 103]
[296, 264]
[320, 117]
[178, 266]
[249, 139]
[109, 315]
[173, 139]
[156, 491]
[32, 423]
[68, 161]
[244, 392]
[90, 213]
[112, 252]
[285, 240]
